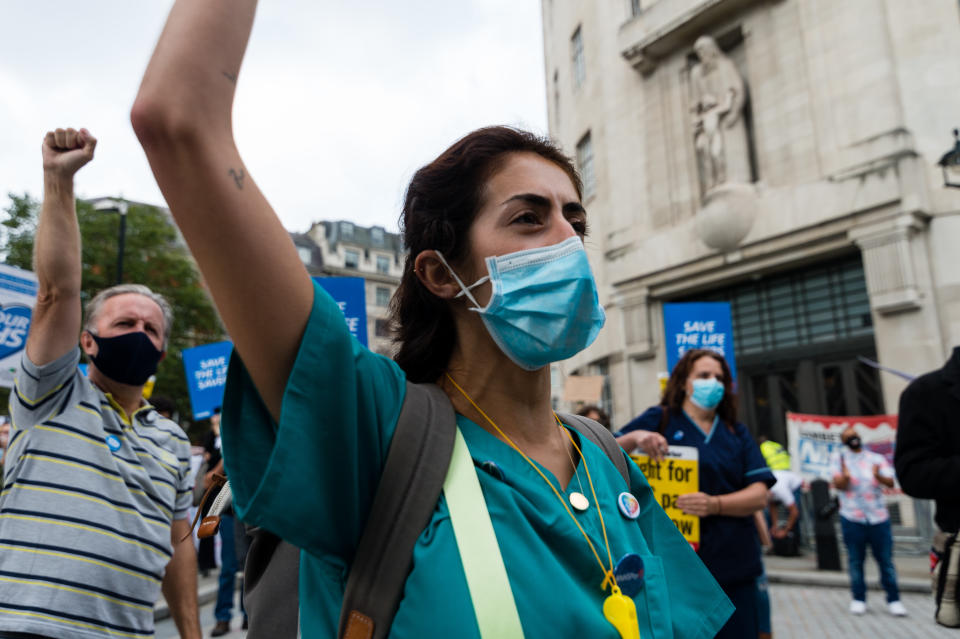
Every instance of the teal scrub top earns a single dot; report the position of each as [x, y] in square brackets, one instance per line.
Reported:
[311, 479]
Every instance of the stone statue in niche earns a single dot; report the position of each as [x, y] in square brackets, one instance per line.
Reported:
[719, 132]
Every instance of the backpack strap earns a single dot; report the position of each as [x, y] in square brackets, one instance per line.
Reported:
[271, 592]
[221, 504]
[599, 435]
[406, 497]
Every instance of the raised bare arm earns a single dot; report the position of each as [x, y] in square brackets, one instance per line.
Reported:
[182, 116]
[56, 251]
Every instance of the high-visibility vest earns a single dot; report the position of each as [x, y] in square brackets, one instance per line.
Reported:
[777, 458]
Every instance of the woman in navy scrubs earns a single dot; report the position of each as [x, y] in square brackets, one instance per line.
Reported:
[699, 409]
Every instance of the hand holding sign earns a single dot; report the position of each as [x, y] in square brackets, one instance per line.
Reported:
[697, 504]
[650, 443]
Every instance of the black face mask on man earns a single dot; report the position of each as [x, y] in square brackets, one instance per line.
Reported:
[853, 443]
[130, 358]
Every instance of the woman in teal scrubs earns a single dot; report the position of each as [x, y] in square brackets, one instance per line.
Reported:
[495, 287]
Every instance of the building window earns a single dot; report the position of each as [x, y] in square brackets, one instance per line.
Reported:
[305, 254]
[383, 264]
[381, 328]
[383, 296]
[579, 68]
[376, 235]
[820, 304]
[585, 166]
[351, 258]
[346, 230]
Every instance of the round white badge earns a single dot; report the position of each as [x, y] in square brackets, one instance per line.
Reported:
[578, 501]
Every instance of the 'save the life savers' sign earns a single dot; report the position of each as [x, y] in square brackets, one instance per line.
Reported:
[690, 325]
[676, 475]
[206, 370]
[206, 366]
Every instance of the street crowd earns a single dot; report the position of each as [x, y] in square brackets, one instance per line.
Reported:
[435, 494]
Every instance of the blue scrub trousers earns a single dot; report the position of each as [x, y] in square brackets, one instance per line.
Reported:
[223, 611]
[880, 538]
[763, 604]
[744, 623]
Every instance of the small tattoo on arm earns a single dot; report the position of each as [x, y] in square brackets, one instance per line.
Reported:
[237, 177]
[230, 76]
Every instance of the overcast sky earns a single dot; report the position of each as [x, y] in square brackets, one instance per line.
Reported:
[338, 102]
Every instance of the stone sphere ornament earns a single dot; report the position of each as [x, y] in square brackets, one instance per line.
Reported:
[727, 215]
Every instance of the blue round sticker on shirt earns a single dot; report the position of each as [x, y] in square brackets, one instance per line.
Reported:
[113, 442]
[492, 468]
[629, 574]
[678, 434]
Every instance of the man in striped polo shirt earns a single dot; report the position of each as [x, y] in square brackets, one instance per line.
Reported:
[97, 483]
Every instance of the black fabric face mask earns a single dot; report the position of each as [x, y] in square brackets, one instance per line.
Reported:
[853, 443]
[130, 358]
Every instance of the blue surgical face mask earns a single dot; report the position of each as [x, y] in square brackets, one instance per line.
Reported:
[707, 393]
[544, 306]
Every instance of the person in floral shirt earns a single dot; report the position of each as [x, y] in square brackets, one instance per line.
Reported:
[860, 476]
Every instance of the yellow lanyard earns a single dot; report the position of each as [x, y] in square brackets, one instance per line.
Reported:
[618, 609]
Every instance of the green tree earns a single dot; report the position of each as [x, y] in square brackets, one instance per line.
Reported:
[154, 255]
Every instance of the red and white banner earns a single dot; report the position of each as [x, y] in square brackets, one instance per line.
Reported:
[815, 440]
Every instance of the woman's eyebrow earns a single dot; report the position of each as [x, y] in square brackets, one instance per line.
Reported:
[538, 200]
[529, 198]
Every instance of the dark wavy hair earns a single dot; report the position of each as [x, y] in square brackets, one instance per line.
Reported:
[676, 391]
[441, 202]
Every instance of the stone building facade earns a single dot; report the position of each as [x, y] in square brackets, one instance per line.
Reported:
[785, 163]
[344, 249]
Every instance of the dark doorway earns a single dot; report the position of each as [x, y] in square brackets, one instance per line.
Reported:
[797, 336]
[829, 384]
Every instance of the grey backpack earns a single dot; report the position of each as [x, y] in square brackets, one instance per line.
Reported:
[406, 497]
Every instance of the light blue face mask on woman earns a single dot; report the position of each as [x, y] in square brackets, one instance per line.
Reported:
[707, 393]
[544, 306]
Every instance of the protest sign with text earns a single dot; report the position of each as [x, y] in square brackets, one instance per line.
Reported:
[206, 366]
[348, 292]
[815, 440]
[18, 295]
[691, 325]
[206, 370]
[678, 474]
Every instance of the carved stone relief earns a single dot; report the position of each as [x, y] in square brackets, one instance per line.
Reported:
[719, 97]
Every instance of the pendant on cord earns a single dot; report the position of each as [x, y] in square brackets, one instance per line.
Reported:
[578, 501]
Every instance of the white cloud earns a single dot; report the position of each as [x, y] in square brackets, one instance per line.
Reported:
[338, 102]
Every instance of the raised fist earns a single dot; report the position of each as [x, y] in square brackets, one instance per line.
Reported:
[66, 150]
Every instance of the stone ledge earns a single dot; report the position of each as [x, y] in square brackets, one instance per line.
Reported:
[668, 26]
[832, 579]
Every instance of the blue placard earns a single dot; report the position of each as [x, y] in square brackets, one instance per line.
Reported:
[18, 295]
[206, 370]
[206, 366]
[698, 325]
[349, 293]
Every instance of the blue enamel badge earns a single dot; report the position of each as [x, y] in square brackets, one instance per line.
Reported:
[629, 574]
[113, 442]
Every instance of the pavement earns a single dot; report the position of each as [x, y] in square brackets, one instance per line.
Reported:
[805, 612]
[913, 572]
[806, 602]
